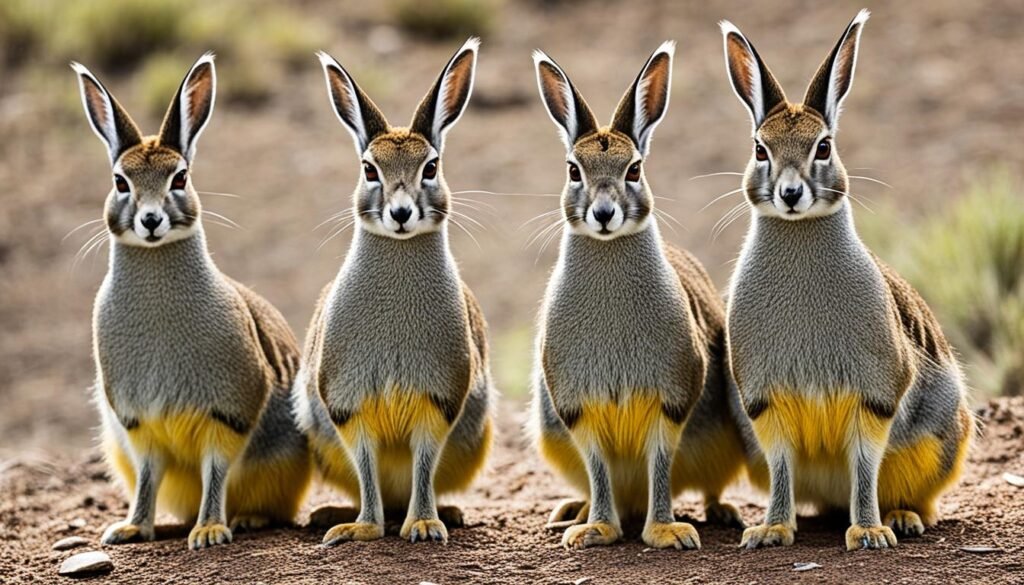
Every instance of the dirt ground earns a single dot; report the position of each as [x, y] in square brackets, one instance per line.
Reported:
[504, 541]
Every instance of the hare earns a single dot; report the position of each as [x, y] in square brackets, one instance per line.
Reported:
[394, 390]
[853, 392]
[631, 339]
[194, 370]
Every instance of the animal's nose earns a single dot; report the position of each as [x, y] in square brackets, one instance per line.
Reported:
[604, 214]
[791, 194]
[151, 221]
[401, 214]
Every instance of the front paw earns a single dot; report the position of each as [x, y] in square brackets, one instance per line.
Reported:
[723, 515]
[353, 531]
[678, 535]
[424, 529]
[904, 522]
[869, 537]
[124, 532]
[767, 535]
[591, 534]
[207, 535]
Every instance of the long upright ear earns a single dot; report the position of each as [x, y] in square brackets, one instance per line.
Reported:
[646, 101]
[191, 108]
[108, 119]
[447, 99]
[564, 103]
[355, 110]
[834, 78]
[753, 83]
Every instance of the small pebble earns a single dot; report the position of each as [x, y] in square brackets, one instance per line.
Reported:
[70, 543]
[805, 566]
[77, 523]
[87, 563]
[981, 550]
[1013, 479]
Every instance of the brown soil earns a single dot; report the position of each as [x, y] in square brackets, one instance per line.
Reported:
[505, 542]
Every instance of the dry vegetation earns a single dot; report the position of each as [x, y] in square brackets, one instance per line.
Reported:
[931, 113]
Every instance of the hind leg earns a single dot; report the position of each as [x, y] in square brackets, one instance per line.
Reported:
[422, 522]
[369, 524]
[602, 526]
[567, 513]
[866, 530]
[721, 513]
[211, 526]
[780, 521]
[661, 529]
[139, 525]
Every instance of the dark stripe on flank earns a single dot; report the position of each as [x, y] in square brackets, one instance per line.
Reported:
[338, 416]
[448, 408]
[880, 409]
[229, 421]
[569, 416]
[675, 412]
[129, 424]
[754, 408]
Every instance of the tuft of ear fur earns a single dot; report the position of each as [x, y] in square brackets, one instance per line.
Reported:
[834, 78]
[447, 99]
[646, 101]
[353, 107]
[753, 83]
[564, 103]
[190, 109]
[108, 119]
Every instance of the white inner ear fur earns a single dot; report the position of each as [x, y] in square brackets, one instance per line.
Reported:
[754, 101]
[643, 124]
[568, 128]
[189, 137]
[352, 117]
[441, 113]
[102, 123]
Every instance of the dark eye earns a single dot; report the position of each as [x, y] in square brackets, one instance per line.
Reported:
[179, 180]
[760, 153]
[430, 170]
[633, 174]
[371, 172]
[824, 150]
[574, 173]
[121, 184]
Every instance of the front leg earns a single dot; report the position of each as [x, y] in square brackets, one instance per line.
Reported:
[602, 525]
[661, 529]
[866, 529]
[369, 525]
[780, 522]
[211, 526]
[421, 521]
[139, 525]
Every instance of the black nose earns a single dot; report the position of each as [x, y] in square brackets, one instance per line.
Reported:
[604, 214]
[151, 221]
[401, 214]
[792, 194]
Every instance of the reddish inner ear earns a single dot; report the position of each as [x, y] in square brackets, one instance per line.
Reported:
[554, 91]
[97, 104]
[339, 91]
[459, 76]
[200, 93]
[657, 77]
[741, 63]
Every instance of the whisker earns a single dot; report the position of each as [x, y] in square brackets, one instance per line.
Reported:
[667, 223]
[91, 244]
[727, 219]
[669, 216]
[335, 234]
[467, 218]
[538, 217]
[88, 223]
[223, 218]
[341, 215]
[722, 196]
[543, 232]
[873, 180]
[852, 196]
[544, 246]
[507, 194]
[468, 200]
[231, 195]
[727, 173]
[461, 227]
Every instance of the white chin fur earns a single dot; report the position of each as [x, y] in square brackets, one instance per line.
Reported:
[131, 238]
[624, 228]
[389, 228]
[817, 208]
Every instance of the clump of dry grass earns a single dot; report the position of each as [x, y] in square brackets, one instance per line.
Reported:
[445, 19]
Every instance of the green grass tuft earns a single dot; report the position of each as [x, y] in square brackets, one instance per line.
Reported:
[968, 263]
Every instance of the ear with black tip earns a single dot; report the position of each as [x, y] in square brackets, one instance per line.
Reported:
[108, 119]
[564, 103]
[753, 83]
[834, 78]
[190, 109]
[353, 107]
[447, 99]
[646, 101]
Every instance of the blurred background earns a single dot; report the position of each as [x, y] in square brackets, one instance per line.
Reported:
[937, 112]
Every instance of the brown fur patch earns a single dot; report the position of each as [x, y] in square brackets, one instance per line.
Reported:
[275, 336]
[919, 324]
[400, 151]
[791, 132]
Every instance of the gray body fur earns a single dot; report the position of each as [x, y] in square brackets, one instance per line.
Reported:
[812, 312]
[171, 333]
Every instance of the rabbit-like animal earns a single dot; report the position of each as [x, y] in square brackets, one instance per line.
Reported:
[631, 340]
[395, 391]
[854, 394]
[194, 370]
